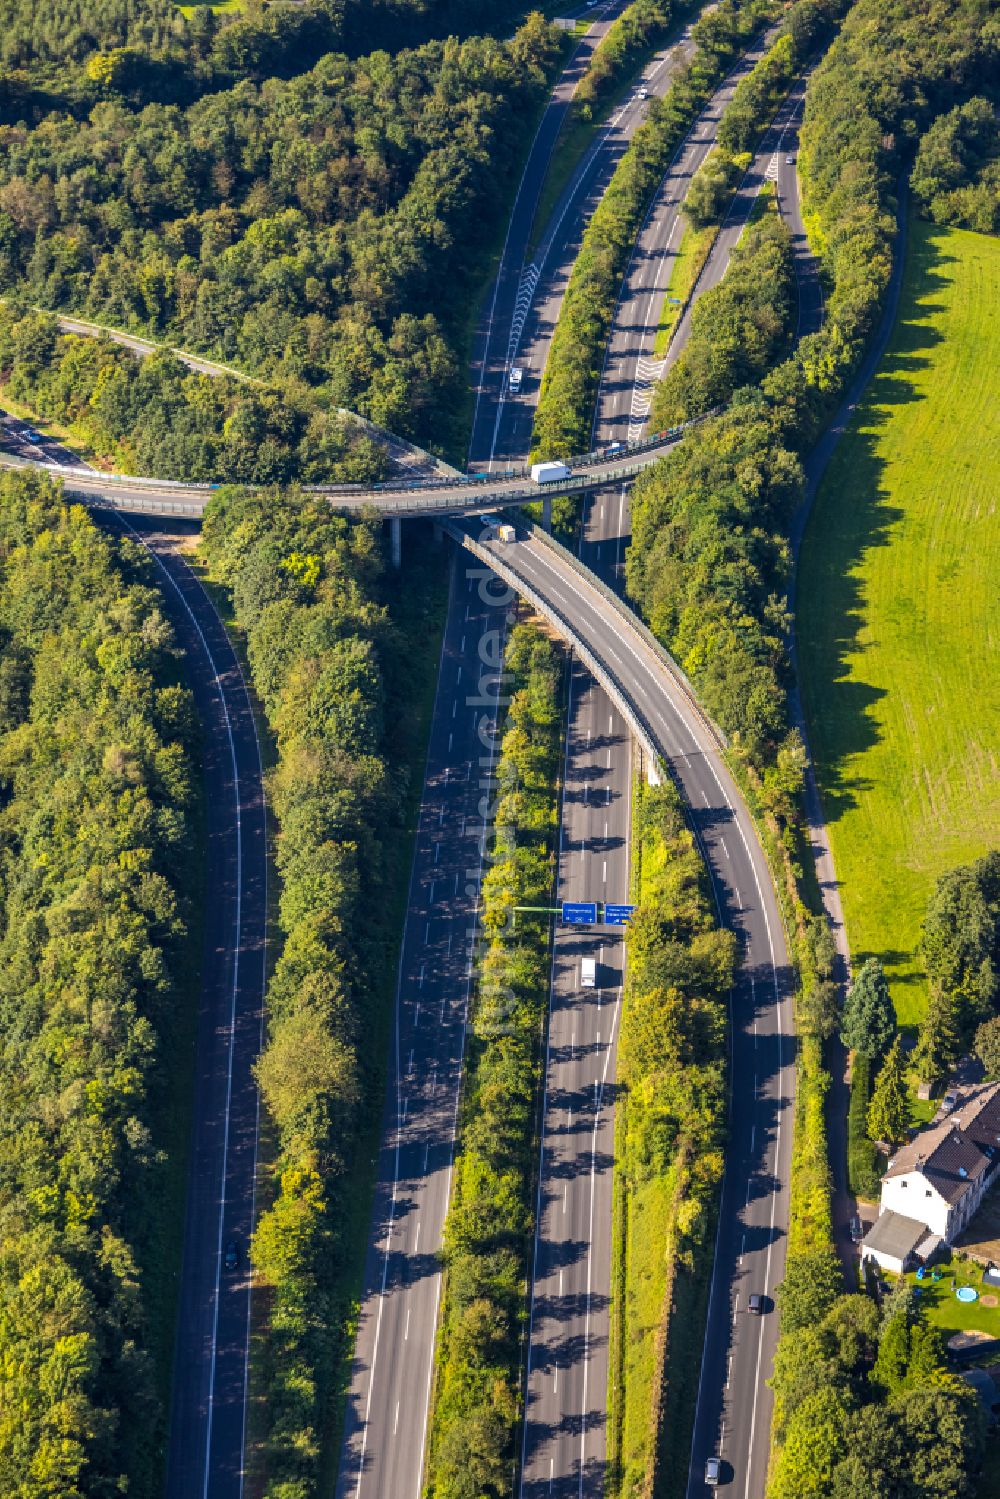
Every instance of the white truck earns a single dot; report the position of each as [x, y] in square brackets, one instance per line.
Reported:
[549, 473]
[588, 973]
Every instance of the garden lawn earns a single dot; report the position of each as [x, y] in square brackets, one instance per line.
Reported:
[944, 1311]
[899, 579]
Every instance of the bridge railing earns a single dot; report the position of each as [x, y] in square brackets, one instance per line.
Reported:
[641, 728]
[630, 617]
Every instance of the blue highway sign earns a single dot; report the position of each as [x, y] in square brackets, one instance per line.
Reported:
[617, 915]
[579, 913]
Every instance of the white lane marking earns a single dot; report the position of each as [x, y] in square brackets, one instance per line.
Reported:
[450, 737]
[437, 851]
[599, 1087]
[451, 1148]
[406, 1329]
[395, 1424]
[605, 874]
[237, 949]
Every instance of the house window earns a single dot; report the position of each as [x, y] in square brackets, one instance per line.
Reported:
[904, 1184]
[927, 1193]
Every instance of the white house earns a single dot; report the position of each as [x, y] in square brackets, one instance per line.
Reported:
[933, 1186]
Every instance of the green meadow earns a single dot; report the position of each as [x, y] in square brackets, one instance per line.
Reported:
[899, 587]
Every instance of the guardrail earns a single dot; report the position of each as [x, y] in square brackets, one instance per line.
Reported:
[641, 729]
[658, 442]
[630, 617]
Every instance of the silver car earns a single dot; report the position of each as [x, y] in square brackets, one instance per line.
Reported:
[713, 1472]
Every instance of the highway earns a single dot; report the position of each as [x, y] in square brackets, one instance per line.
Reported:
[209, 1394]
[384, 1436]
[564, 1431]
[630, 370]
[520, 314]
[568, 1368]
[564, 1434]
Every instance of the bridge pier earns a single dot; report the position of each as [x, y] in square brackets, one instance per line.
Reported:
[396, 541]
[546, 512]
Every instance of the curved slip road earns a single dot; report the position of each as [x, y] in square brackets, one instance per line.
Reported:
[568, 1370]
[208, 1414]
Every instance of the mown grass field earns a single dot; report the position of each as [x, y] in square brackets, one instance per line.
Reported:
[898, 623]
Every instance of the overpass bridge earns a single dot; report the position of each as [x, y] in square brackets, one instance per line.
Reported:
[395, 500]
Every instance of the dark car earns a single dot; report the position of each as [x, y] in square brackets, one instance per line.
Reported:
[756, 1304]
[232, 1259]
[857, 1230]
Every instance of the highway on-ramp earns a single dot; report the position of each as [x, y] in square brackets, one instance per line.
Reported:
[630, 369]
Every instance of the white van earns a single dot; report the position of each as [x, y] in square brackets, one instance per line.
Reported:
[588, 973]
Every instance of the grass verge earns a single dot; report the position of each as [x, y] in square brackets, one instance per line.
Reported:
[692, 252]
[666, 1174]
[898, 581]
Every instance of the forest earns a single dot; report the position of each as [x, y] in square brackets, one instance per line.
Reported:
[326, 230]
[98, 880]
[738, 328]
[155, 416]
[152, 50]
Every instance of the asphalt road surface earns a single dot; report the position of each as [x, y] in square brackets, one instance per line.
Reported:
[564, 1431]
[426, 498]
[630, 369]
[770, 158]
[383, 1449]
[26, 444]
[519, 317]
[209, 1395]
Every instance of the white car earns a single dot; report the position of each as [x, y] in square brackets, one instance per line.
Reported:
[515, 378]
[644, 92]
[713, 1472]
